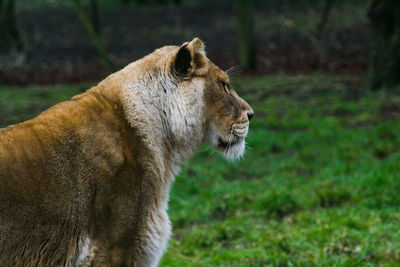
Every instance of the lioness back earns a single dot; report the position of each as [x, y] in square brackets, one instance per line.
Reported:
[86, 182]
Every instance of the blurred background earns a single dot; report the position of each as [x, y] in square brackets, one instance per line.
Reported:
[320, 182]
[51, 41]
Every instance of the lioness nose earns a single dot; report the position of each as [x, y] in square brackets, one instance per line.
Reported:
[250, 115]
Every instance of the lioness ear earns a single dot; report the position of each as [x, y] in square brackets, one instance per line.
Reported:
[190, 59]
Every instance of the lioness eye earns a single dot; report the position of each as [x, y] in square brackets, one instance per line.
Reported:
[226, 87]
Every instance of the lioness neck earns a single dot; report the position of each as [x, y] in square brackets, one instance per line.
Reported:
[170, 121]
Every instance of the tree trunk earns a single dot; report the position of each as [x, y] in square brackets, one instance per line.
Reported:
[246, 40]
[9, 35]
[94, 12]
[324, 18]
[94, 36]
[384, 65]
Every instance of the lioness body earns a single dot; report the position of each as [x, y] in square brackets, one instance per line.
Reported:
[67, 174]
[87, 181]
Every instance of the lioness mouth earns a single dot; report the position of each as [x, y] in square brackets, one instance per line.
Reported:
[223, 144]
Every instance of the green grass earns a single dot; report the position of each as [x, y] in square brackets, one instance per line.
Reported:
[318, 186]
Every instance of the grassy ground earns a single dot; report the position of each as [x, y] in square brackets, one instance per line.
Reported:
[319, 185]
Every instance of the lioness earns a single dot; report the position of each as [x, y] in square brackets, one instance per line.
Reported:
[86, 182]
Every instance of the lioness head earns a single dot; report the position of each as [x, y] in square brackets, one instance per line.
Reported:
[226, 115]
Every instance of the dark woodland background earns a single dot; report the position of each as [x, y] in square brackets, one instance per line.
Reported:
[46, 41]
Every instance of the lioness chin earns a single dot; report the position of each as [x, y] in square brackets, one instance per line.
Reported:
[86, 182]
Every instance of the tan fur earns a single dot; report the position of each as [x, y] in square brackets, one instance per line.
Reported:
[87, 181]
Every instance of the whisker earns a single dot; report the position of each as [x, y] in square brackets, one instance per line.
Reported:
[233, 70]
[247, 146]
